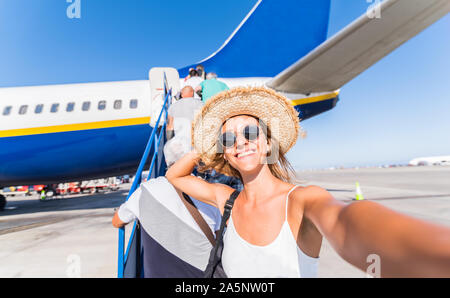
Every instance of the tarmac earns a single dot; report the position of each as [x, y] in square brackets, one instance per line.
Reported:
[67, 237]
[73, 236]
[421, 192]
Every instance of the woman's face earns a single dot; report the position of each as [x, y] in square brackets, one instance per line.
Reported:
[245, 155]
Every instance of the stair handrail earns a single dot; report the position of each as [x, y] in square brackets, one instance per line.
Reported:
[122, 257]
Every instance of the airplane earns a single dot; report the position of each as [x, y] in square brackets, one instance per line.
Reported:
[431, 160]
[73, 132]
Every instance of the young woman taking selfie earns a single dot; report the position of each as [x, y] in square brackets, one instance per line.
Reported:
[276, 227]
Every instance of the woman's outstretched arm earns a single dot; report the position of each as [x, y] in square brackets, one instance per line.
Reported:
[406, 247]
[179, 175]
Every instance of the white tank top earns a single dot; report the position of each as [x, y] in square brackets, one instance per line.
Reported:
[281, 258]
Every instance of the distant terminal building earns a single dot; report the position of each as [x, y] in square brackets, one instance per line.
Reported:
[430, 161]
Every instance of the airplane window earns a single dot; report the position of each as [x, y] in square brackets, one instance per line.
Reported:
[7, 110]
[23, 110]
[117, 104]
[70, 107]
[102, 105]
[133, 103]
[38, 109]
[54, 108]
[86, 106]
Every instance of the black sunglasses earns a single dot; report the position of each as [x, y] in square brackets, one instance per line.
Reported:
[250, 132]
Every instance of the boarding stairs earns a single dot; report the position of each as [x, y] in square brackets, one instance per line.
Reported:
[164, 83]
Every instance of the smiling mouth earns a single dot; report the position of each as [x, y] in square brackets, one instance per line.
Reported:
[246, 153]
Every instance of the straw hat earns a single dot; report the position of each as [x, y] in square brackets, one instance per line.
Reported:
[273, 108]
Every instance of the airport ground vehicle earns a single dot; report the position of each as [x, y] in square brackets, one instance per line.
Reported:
[99, 185]
[68, 188]
[38, 188]
[125, 179]
[15, 190]
[93, 186]
[113, 183]
[61, 189]
[74, 188]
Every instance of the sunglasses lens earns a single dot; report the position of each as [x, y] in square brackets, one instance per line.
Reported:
[228, 139]
[251, 132]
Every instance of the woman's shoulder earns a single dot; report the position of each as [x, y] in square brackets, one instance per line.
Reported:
[302, 197]
[305, 193]
[309, 188]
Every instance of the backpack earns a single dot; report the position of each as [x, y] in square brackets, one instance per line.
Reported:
[214, 268]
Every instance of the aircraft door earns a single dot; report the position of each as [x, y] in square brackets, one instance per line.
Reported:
[156, 78]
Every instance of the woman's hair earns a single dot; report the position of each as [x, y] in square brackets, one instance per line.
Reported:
[278, 164]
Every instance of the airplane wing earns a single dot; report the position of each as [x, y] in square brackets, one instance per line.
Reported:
[359, 45]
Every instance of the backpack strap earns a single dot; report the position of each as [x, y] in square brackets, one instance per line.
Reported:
[198, 218]
[227, 212]
[216, 253]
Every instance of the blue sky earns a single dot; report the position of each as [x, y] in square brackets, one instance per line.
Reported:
[396, 110]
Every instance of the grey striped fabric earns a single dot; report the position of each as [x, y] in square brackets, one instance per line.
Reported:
[166, 220]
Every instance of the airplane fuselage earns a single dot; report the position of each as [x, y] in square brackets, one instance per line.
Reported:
[61, 133]
[72, 132]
